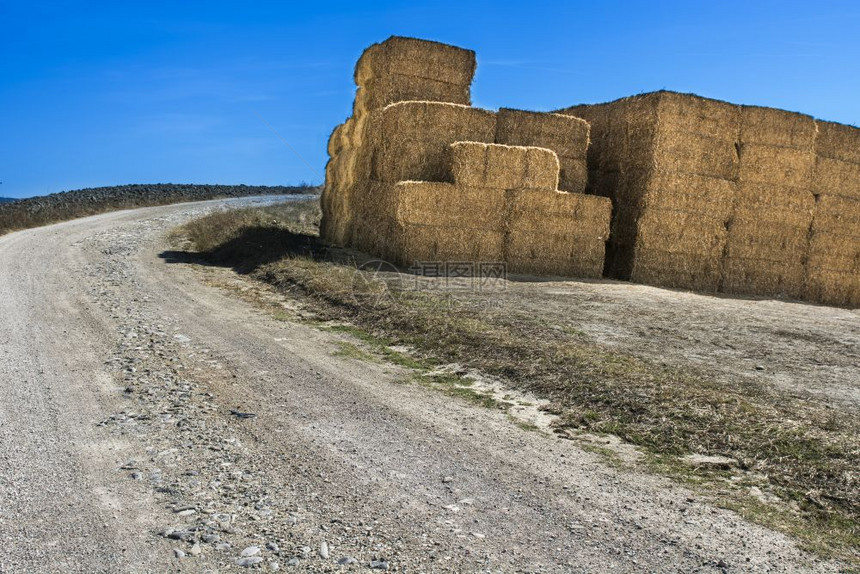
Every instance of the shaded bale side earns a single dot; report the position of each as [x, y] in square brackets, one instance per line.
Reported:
[566, 135]
[836, 177]
[414, 57]
[838, 142]
[362, 209]
[754, 276]
[379, 92]
[340, 137]
[833, 288]
[449, 205]
[680, 232]
[573, 175]
[687, 271]
[835, 251]
[414, 139]
[598, 151]
[777, 128]
[835, 213]
[503, 167]
[776, 166]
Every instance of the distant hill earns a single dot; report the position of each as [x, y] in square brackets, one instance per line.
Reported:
[43, 210]
[7, 200]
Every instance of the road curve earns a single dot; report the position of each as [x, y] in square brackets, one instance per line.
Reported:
[151, 422]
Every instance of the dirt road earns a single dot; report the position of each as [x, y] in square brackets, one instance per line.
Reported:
[151, 423]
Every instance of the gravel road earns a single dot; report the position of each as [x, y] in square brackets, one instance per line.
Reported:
[152, 423]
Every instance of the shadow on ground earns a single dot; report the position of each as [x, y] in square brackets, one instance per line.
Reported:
[254, 248]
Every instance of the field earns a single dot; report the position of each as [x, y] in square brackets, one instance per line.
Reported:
[767, 387]
[44, 210]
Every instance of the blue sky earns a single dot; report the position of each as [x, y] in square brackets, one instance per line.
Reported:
[107, 93]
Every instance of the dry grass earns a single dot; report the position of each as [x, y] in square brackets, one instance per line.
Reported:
[804, 452]
[38, 211]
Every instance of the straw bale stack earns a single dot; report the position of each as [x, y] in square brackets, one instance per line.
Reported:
[669, 164]
[784, 187]
[769, 233]
[833, 262]
[395, 70]
[566, 135]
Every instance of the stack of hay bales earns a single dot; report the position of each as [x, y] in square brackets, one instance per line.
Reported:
[416, 174]
[769, 229]
[712, 196]
[504, 205]
[396, 70]
[407, 141]
[669, 165]
[833, 263]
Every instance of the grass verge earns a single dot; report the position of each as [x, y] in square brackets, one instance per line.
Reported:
[800, 453]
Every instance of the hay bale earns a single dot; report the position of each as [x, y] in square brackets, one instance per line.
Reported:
[449, 205]
[573, 175]
[687, 152]
[835, 251]
[413, 140]
[836, 177]
[339, 138]
[776, 166]
[680, 232]
[678, 113]
[838, 141]
[777, 128]
[447, 244]
[566, 135]
[772, 241]
[688, 192]
[567, 244]
[584, 266]
[499, 166]
[556, 233]
[379, 92]
[835, 213]
[767, 199]
[676, 270]
[755, 276]
[537, 204]
[418, 58]
[833, 288]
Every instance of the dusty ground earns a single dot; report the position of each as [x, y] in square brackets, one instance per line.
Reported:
[810, 351]
[127, 385]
